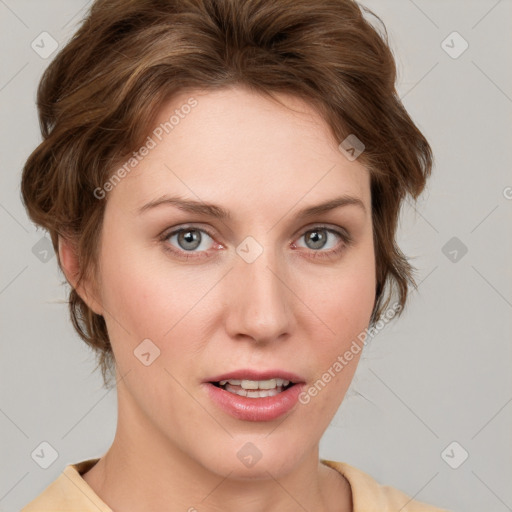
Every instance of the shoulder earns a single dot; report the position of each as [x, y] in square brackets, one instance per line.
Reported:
[370, 496]
[69, 492]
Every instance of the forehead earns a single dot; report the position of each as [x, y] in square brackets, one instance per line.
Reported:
[234, 144]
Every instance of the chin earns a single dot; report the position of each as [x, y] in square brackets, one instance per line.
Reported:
[253, 458]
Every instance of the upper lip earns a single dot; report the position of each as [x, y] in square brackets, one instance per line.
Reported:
[248, 374]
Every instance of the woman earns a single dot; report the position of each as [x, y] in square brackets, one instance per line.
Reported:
[221, 181]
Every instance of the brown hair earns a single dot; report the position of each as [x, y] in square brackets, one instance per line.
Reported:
[99, 96]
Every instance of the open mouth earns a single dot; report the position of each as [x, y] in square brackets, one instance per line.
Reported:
[254, 388]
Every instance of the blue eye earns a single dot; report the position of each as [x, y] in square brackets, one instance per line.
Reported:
[319, 237]
[191, 242]
[189, 239]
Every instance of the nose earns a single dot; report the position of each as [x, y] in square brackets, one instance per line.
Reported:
[259, 306]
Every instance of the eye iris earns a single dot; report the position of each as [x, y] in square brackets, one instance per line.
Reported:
[189, 236]
[190, 239]
[318, 236]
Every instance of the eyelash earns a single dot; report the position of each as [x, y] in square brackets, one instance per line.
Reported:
[188, 255]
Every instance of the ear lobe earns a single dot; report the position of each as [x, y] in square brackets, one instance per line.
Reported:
[69, 262]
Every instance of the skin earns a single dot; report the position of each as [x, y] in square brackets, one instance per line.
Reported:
[216, 313]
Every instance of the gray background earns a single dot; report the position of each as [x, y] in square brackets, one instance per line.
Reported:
[439, 374]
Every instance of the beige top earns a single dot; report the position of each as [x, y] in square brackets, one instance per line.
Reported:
[71, 493]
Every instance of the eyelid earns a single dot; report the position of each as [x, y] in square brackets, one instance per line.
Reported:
[167, 233]
[338, 230]
[341, 232]
[183, 227]
[332, 228]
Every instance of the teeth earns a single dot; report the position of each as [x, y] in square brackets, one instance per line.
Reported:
[254, 384]
[263, 393]
[257, 384]
[259, 393]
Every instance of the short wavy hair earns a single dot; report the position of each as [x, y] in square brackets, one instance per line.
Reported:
[98, 98]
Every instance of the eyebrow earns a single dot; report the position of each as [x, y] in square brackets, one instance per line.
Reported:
[213, 210]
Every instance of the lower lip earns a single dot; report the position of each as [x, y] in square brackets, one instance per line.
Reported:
[255, 409]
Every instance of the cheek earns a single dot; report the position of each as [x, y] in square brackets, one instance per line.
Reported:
[147, 297]
[132, 290]
[345, 300]
[140, 299]
[344, 304]
[346, 310]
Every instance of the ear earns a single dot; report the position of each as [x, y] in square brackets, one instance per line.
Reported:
[69, 262]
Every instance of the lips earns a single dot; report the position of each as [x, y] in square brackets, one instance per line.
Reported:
[247, 408]
[255, 405]
[249, 374]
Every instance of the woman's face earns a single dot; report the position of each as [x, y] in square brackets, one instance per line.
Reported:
[262, 289]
